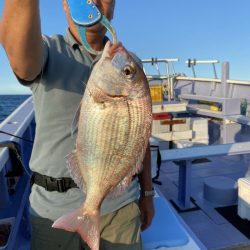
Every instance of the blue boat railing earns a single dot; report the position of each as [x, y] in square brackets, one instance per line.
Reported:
[17, 129]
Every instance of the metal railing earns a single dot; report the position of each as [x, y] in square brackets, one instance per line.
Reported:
[194, 62]
[166, 77]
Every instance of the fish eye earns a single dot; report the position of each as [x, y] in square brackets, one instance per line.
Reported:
[128, 71]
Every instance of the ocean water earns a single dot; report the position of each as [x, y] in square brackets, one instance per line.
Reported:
[8, 103]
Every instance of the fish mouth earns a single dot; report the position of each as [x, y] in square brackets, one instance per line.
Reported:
[110, 50]
[116, 48]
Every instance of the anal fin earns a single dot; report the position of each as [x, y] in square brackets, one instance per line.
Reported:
[74, 170]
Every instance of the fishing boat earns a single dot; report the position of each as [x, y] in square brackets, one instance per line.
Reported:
[200, 147]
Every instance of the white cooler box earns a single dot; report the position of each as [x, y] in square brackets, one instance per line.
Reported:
[244, 198]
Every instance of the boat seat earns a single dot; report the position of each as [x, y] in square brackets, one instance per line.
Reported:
[165, 230]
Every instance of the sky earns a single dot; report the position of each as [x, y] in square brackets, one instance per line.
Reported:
[183, 29]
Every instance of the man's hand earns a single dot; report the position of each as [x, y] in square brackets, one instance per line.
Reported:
[146, 206]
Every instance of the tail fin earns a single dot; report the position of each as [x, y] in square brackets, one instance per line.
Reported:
[84, 223]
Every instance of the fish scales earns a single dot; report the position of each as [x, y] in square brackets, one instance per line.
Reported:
[113, 127]
[103, 129]
[105, 133]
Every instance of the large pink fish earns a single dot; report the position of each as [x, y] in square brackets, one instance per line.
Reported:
[113, 132]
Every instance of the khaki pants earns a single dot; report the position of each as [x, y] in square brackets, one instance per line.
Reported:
[119, 230]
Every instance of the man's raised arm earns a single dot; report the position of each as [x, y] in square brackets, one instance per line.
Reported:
[21, 37]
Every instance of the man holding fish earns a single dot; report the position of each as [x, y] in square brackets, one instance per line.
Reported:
[101, 207]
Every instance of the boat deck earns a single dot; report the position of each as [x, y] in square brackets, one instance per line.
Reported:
[212, 229]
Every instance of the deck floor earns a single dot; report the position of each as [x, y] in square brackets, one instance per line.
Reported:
[213, 230]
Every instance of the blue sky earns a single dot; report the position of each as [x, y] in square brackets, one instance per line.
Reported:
[204, 30]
